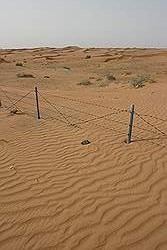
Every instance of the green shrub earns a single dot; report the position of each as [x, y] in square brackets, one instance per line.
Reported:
[139, 81]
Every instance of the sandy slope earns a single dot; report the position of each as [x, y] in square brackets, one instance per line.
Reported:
[58, 194]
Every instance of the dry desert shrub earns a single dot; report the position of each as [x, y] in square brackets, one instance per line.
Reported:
[88, 57]
[85, 82]
[24, 75]
[126, 73]
[140, 81]
[99, 79]
[66, 68]
[111, 77]
[103, 84]
[19, 64]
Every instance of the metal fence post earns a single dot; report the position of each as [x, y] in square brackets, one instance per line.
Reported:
[131, 118]
[37, 103]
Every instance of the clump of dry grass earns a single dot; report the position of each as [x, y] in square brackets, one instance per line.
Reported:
[66, 68]
[88, 57]
[24, 75]
[85, 82]
[19, 64]
[111, 77]
[103, 84]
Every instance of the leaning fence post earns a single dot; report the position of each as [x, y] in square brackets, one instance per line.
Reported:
[132, 109]
[37, 103]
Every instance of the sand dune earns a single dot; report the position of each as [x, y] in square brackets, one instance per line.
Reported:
[56, 193]
[2, 60]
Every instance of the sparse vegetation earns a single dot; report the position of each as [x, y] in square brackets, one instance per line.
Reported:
[99, 79]
[103, 84]
[126, 73]
[19, 64]
[85, 82]
[24, 75]
[67, 68]
[88, 57]
[140, 81]
[111, 77]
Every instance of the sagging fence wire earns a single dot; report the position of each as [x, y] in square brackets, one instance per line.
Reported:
[88, 103]
[50, 110]
[83, 121]
[53, 106]
[95, 117]
[10, 100]
[24, 96]
[148, 123]
[24, 101]
[13, 101]
[84, 112]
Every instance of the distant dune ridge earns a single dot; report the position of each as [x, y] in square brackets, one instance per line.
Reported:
[69, 181]
[2, 60]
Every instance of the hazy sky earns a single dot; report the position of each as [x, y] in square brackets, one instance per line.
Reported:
[28, 23]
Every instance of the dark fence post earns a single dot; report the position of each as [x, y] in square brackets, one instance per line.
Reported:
[37, 103]
[132, 109]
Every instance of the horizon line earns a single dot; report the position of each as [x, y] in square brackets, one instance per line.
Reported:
[80, 47]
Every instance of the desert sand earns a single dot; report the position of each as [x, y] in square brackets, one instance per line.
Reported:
[57, 194]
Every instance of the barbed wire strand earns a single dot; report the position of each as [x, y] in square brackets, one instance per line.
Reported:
[148, 123]
[101, 126]
[19, 100]
[52, 105]
[96, 117]
[16, 94]
[11, 101]
[45, 100]
[89, 103]
[77, 124]
[151, 116]
[138, 139]
[103, 106]
[25, 102]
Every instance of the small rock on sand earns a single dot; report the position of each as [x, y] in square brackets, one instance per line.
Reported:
[85, 142]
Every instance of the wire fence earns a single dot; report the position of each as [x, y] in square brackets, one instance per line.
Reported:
[83, 115]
